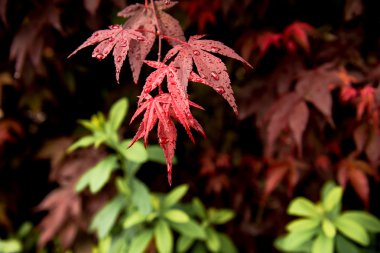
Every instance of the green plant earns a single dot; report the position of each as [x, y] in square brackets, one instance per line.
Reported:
[135, 216]
[324, 227]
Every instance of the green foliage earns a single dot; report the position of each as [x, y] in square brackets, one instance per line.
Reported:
[324, 228]
[136, 217]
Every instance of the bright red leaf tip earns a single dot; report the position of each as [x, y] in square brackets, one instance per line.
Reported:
[117, 38]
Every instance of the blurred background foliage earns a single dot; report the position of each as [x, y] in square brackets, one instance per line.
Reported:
[308, 112]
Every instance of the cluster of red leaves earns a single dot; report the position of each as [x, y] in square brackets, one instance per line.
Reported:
[68, 213]
[137, 36]
[296, 34]
[293, 95]
[203, 11]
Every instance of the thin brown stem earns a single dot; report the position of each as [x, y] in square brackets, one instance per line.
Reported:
[159, 31]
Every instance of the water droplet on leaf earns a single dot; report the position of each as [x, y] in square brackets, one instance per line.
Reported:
[139, 38]
[215, 76]
[215, 49]
[163, 141]
[220, 90]
[196, 52]
[99, 57]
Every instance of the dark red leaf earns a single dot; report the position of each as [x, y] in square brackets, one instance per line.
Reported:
[277, 119]
[297, 122]
[91, 6]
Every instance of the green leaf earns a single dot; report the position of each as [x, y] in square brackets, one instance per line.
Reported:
[328, 228]
[10, 246]
[156, 154]
[226, 245]
[176, 215]
[141, 196]
[366, 220]
[101, 173]
[323, 244]
[141, 241]
[190, 229]
[119, 245]
[199, 208]
[135, 153]
[117, 113]
[133, 219]
[220, 216]
[352, 230]
[212, 240]
[332, 199]
[294, 241]
[345, 246]
[303, 224]
[82, 143]
[164, 237]
[104, 244]
[175, 195]
[327, 187]
[303, 207]
[105, 219]
[184, 243]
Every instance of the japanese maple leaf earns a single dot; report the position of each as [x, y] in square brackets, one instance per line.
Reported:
[297, 33]
[202, 11]
[64, 207]
[278, 171]
[265, 40]
[142, 18]
[163, 109]
[117, 38]
[355, 172]
[209, 67]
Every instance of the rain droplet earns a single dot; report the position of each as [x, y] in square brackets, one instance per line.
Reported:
[204, 77]
[167, 2]
[95, 34]
[171, 75]
[172, 83]
[196, 52]
[215, 76]
[114, 26]
[163, 141]
[99, 57]
[111, 39]
[147, 89]
[215, 49]
[119, 58]
[139, 38]
[189, 115]
[220, 90]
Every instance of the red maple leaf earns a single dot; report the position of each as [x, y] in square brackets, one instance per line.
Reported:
[202, 11]
[355, 172]
[209, 67]
[297, 33]
[117, 38]
[163, 108]
[143, 18]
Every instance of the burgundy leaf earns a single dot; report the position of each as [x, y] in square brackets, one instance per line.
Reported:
[373, 147]
[3, 11]
[91, 6]
[359, 181]
[297, 123]
[277, 119]
[360, 137]
[313, 85]
[274, 175]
